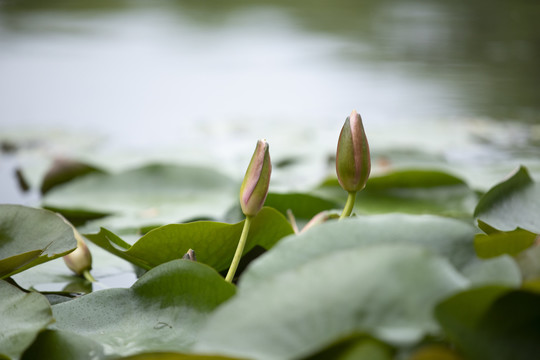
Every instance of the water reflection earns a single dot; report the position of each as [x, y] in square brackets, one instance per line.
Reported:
[432, 75]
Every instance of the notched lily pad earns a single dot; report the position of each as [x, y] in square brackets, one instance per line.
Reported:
[162, 311]
[214, 243]
[29, 237]
[513, 203]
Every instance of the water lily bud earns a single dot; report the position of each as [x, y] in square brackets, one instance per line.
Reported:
[80, 259]
[256, 181]
[353, 163]
[190, 255]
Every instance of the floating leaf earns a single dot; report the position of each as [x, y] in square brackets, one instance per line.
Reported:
[153, 194]
[29, 237]
[214, 243]
[174, 356]
[499, 243]
[448, 237]
[387, 291]
[60, 345]
[356, 348]
[162, 311]
[63, 170]
[502, 270]
[303, 206]
[410, 191]
[513, 203]
[23, 316]
[493, 323]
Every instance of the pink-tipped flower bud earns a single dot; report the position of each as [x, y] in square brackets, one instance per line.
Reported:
[353, 163]
[256, 181]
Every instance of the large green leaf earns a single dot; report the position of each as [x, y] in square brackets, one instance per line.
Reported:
[152, 194]
[214, 243]
[61, 345]
[512, 203]
[450, 238]
[29, 237]
[23, 316]
[388, 291]
[493, 323]
[162, 311]
[410, 191]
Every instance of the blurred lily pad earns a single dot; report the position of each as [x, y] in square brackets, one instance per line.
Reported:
[303, 206]
[493, 323]
[149, 195]
[214, 243]
[60, 345]
[162, 311]
[409, 191]
[23, 316]
[64, 170]
[450, 238]
[29, 237]
[513, 203]
[387, 291]
[503, 242]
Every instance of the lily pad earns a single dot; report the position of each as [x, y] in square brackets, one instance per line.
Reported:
[356, 348]
[303, 206]
[60, 345]
[410, 191]
[174, 356]
[387, 291]
[64, 170]
[503, 242]
[23, 316]
[162, 311]
[29, 237]
[512, 203]
[149, 195]
[448, 237]
[214, 243]
[493, 323]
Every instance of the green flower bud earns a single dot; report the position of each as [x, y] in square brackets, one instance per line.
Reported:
[353, 163]
[256, 181]
[80, 259]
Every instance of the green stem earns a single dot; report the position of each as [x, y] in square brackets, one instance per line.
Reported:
[86, 274]
[347, 210]
[239, 250]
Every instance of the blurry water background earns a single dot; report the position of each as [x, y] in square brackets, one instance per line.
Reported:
[119, 83]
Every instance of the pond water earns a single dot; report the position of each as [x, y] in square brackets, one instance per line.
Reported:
[119, 82]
